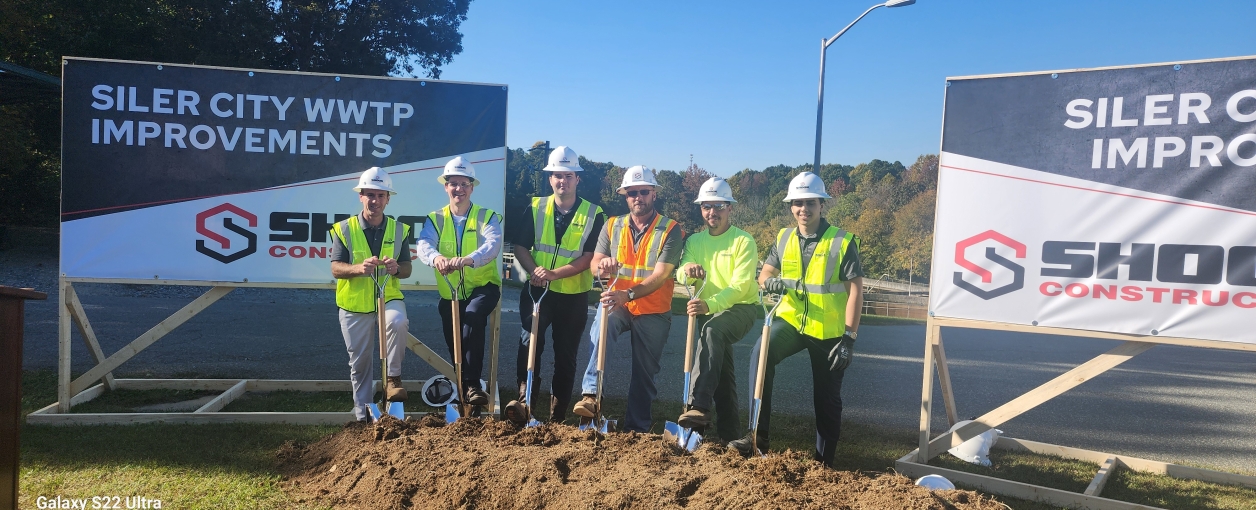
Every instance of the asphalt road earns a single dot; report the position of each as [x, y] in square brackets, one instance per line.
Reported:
[1173, 404]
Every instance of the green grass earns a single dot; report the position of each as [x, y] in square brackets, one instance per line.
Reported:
[233, 466]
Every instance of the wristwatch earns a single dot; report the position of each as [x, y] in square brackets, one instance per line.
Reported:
[631, 295]
[852, 334]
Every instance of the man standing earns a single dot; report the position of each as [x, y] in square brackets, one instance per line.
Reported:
[361, 244]
[815, 268]
[461, 242]
[725, 256]
[643, 246]
[554, 244]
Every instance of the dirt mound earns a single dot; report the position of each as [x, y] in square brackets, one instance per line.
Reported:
[490, 464]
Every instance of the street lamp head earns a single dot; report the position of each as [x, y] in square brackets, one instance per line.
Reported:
[899, 3]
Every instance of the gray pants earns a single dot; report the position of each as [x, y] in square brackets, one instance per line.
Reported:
[649, 335]
[361, 339]
[714, 381]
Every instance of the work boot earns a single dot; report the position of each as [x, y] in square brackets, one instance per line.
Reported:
[694, 418]
[558, 410]
[393, 390]
[586, 407]
[476, 396]
[745, 445]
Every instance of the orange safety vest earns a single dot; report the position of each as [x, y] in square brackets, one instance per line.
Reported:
[638, 262]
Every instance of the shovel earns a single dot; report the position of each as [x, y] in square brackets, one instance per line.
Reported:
[599, 422]
[672, 431]
[453, 410]
[396, 409]
[757, 405]
[526, 405]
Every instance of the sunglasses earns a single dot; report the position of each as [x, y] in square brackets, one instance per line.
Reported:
[714, 207]
[641, 192]
[803, 203]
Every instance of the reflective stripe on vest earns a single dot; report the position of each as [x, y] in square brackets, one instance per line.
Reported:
[819, 309]
[638, 261]
[549, 253]
[450, 246]
[357, 294]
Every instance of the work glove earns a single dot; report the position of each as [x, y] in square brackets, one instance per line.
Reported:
[842, 353]
[775, 286]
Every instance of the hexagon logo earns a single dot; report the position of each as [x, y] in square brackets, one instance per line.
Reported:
[1018, 271]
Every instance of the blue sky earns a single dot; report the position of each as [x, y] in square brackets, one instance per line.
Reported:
[734, 82]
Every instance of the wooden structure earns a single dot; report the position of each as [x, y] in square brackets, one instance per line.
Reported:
[915, 464]
[12, 307]
[99, 378]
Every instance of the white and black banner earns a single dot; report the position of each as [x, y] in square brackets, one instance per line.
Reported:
[191, 173]
[1116, 200]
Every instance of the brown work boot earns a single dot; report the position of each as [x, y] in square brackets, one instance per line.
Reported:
[694, 418]
[476, 396]
[393, 390]
[586, 407]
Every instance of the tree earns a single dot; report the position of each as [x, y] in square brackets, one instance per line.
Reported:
[912, 238]
[369, 37]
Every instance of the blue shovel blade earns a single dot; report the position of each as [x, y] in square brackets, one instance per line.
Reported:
[451, 413]
[374, 411]
[532, 422]
[397, 410]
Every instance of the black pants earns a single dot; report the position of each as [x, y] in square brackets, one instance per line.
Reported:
[567, 315]
[826, 385]
[714, 379]
[474, 316]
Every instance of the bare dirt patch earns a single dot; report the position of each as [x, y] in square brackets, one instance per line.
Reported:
[490, 464]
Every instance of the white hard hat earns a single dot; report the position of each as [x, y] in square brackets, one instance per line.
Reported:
[935, 483]
[438, 391]
[375, 178]
[806, 185]
[459, 166]
[715, 190]
[637, 176]
[563, 159]
[977, 449]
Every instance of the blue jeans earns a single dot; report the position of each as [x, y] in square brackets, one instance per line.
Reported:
[649, 335]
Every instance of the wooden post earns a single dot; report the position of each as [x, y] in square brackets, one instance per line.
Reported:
[63, 347]
[12, 305]
[926, 396]
[944, 377]
[495, 324]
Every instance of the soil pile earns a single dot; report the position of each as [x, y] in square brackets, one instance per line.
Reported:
[490, 464]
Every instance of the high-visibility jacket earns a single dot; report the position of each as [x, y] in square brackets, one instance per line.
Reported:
[550, 253]
[638, 260]
[730, 261]
[818, 309]
[450, 246]
[358, 294]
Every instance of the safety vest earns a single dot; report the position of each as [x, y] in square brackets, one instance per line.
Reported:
[358, 294]
[638, 261]
[451, 246]
[819, 309]
[549, 253]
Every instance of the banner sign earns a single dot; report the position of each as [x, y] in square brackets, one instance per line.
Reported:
[173, 172]
[1116, 200]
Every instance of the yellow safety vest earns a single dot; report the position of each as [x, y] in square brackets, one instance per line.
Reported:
[551, 254]
[451, 246]
[819, 309]
[358, 294]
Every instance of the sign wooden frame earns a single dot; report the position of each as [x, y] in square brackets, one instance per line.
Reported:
[915, 464]
[99, 379]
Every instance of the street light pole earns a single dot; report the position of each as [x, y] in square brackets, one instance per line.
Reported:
[824, 45]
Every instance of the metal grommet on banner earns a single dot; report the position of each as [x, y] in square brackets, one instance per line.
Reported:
[158, 67]
[1154, 332]
[1177, 67]
[337, 78]
[1034, 323]
[503, 87]
[1055, 75]
[931, 313]
[250, 73]
[948, 84]
[422, 84]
